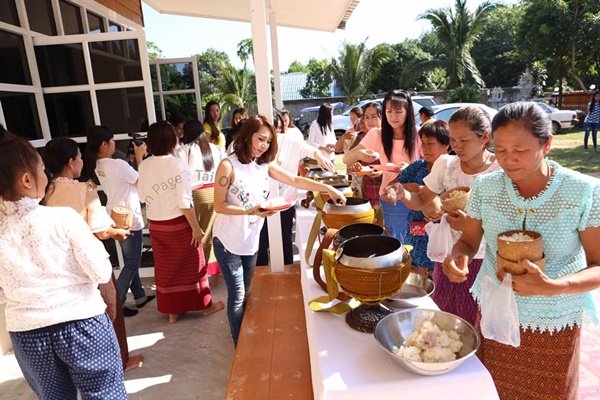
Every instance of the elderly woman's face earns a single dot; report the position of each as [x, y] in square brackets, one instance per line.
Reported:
[518, 151]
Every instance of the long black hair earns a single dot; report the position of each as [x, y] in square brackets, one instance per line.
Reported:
[95, 137]
[324, 118]
[214, 128]
[399, 98]
[193, 133]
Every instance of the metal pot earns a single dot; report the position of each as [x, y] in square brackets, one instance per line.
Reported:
[355, 230]
[354, 205]
[371, 252]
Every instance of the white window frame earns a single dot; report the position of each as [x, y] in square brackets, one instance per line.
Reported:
[155, 64]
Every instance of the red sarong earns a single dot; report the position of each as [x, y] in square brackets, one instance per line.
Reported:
[179, 268]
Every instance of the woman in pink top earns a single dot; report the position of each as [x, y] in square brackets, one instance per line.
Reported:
[396, 144]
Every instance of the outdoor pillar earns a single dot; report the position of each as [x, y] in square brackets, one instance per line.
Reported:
[275, 58]
[258, 23]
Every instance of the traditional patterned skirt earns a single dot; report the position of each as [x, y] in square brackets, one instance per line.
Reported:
[114, 309]
[544, 367]
[453, 297]
[204, 203]
[179, 268]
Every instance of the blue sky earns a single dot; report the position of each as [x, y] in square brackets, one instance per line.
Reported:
[381, 21]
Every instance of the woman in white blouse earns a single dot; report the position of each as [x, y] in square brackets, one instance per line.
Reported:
[49, 275]
[179, 265]
[321, 134]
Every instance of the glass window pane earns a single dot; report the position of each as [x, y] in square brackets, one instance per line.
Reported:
[96, 23]
[113, 26]
[123, 110]
[153, 78]
[183, 103]
[71, 18]
[61, 65]
[8, 12]
[111, 67]
[157, 109]
[69, 114]
[20, 113]
[41, 16]
[176, 76]
[13, 59]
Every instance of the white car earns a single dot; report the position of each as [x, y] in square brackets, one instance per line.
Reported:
[341, 123]
[561, 119]
[443, 112]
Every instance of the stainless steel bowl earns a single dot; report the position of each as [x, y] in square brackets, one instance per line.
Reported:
[415, 288]
[371, 252]
[354, 205]
[394, 330]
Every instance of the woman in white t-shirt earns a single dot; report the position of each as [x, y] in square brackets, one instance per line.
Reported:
[179, 264]
[321, 134]
[470, 134]
[288, 126]
[203, 158]
[118, 180]
[241, 191]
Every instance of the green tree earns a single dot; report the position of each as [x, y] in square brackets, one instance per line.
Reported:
[356, 67]
[209, 64]
[554, 31]
[297, 66]
[495, 52]
[245, 50]
[154, 52]
[457, 30]
[237, 88]
[318, 81]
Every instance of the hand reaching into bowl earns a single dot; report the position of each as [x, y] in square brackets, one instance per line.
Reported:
[393, 192]
[337, 196]
[456, 269]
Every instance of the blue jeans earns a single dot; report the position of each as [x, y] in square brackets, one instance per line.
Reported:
[237, 273]
[130, 274]
[593, 128]
[395, 219]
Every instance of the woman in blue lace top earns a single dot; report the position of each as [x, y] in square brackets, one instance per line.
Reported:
[435, 141]
[562, 205]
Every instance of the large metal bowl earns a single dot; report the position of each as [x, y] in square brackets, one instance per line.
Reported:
[415, 288]
[394, 330]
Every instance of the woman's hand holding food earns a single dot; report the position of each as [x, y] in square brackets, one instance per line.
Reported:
[393, 192]
[368, 155]
[456, 269]
[337, 196]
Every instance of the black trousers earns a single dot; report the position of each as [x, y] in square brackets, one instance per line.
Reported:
[287, 222]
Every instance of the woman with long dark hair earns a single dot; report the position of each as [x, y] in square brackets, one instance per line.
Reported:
[395, 146]
[119, 180]
[321, 134]
[592, 120]
[240, 194]
[202, 158]
[63, 162]
[49, 275]
[179, 264]
[212, 128]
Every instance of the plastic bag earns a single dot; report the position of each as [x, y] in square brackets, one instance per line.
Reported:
[441, 240]
[499, 313]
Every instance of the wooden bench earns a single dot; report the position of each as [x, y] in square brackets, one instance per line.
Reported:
[271, 360]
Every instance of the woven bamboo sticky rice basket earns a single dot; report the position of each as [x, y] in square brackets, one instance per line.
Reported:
[452, 202]
[372, 285]
[511, 252]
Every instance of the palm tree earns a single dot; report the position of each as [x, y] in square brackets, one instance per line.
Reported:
[237, 87]
[356, 67]
[457, 30]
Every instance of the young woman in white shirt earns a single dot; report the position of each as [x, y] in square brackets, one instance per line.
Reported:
[241, 191]
[179, 265]
[51, 268]
[321, 134]
[119, 180]
[203, 158]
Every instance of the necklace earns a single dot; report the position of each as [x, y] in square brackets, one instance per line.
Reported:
[478, 169]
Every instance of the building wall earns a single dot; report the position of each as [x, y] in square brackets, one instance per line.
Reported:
[131, 9]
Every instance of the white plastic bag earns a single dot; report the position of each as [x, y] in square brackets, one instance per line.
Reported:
[441, 240]
[499, 313]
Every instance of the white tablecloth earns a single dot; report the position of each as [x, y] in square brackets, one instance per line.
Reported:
[347, 365]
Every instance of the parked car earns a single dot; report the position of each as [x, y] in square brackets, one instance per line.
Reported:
[561, 119]
[341, 123]
[309, 114]
[443, 112]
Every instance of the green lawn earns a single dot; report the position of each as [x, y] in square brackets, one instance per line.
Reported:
[567, 150]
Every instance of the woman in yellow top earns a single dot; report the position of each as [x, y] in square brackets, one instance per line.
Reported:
[212, 116]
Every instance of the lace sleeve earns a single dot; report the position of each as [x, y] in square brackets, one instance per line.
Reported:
[474, 204]
[591, 215]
